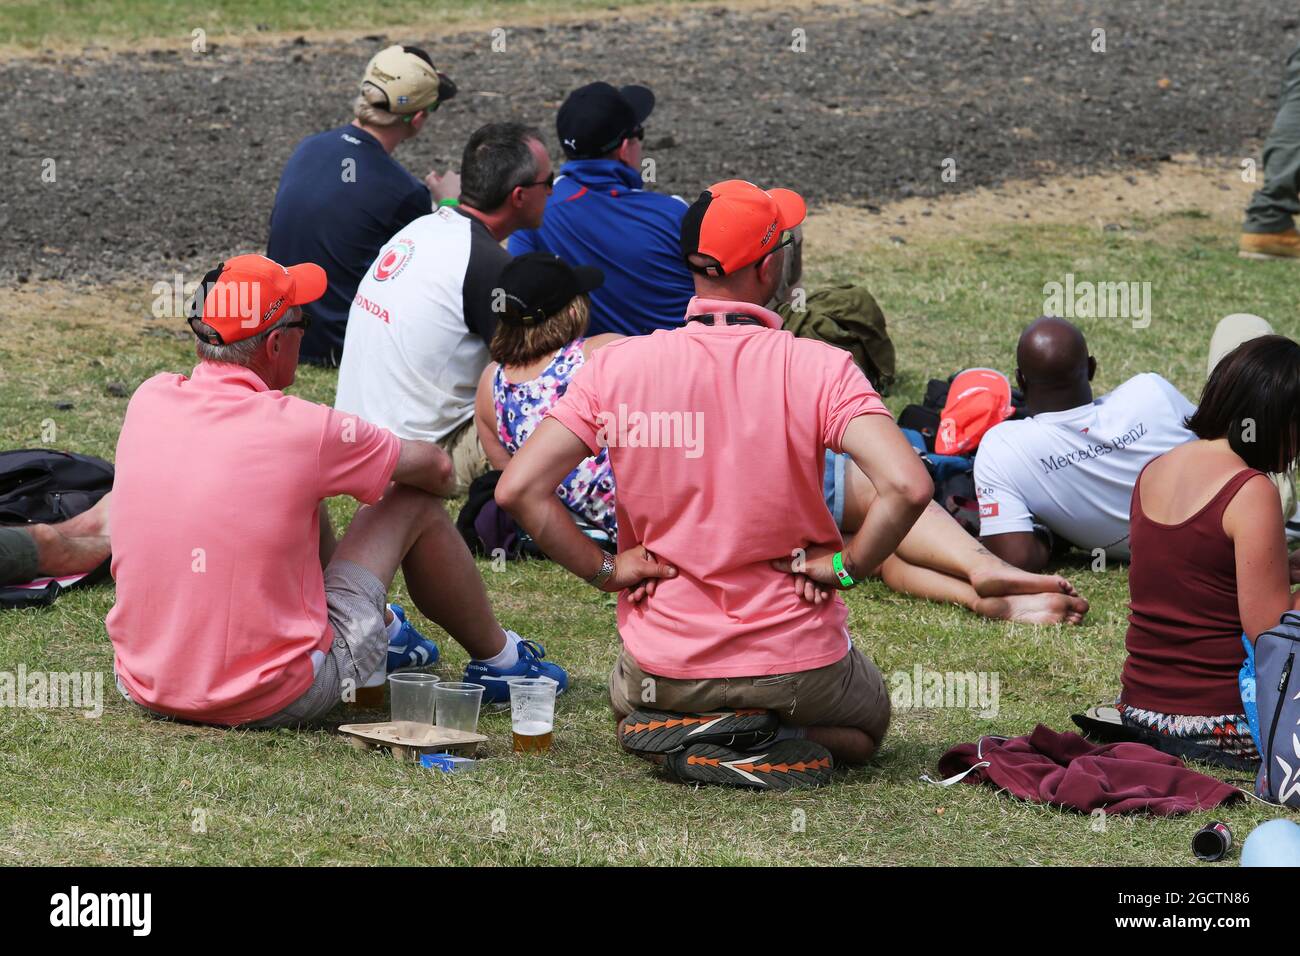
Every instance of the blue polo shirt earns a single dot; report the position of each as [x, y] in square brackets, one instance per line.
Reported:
[341, 197]
[598, 215]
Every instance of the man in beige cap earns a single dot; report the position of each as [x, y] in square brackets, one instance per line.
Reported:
[342, 195]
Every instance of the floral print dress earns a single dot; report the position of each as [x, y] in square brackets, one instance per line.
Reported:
[588, 490]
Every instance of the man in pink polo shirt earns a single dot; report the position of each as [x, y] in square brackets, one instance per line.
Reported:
[224, 614]
[736, 666]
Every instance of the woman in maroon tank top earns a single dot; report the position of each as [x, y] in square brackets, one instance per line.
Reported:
[1209, 559]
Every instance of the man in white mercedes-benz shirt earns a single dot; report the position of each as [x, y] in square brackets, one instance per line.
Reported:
[1067, 471]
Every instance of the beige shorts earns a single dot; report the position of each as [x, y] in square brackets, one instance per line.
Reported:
[849, 693]
[467, 455]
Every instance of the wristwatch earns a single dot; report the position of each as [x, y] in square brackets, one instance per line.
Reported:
[605, 573]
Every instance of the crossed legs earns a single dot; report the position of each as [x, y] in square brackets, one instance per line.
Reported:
[940, 562]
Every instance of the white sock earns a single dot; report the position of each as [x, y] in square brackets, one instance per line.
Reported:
[508, 656]
[394, 626]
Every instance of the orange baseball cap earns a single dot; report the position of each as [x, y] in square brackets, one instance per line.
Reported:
[978, 399]
[248, 294]
[737, 224]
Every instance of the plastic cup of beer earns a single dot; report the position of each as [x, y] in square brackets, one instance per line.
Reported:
[370, 695]
[532, 713]
[458, 705]
[411, 697]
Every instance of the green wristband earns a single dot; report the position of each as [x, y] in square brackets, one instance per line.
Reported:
[448, 202]
[837, 563]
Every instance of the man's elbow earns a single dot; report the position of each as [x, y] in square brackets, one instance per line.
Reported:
[909, 492]
[1024, 552]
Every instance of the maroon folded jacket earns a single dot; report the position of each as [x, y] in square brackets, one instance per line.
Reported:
[1067, 771]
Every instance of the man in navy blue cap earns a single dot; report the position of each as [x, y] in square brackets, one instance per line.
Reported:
[599, 214]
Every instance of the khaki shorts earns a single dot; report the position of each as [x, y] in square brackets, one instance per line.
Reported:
[849, 693]
[467, 455]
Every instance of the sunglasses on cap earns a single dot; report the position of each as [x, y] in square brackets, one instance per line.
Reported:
[636, 132]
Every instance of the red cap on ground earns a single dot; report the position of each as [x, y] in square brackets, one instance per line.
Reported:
[978, 399]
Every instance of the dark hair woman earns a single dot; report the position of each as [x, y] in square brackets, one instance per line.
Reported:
[1209, 558]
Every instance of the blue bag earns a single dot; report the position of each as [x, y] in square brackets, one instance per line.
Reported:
[1276, 721]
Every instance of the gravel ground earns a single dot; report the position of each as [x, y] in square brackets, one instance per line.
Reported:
[167, 160]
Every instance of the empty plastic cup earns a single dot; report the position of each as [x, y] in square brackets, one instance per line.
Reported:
[411, 697]
[532, 713]
[458, 704]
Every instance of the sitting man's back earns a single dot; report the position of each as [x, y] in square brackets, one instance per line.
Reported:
[342, 195]
[424, 312]
[601, 215]
[1071, 465]
[686, 415]
[215, 538]
[717, 431]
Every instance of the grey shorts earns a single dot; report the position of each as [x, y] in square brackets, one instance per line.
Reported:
[355, 599]
[18, 558]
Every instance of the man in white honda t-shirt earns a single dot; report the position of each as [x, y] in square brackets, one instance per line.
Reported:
[424, 313]
[1068, 470]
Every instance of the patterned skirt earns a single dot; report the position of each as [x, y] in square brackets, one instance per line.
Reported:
[1229, 733]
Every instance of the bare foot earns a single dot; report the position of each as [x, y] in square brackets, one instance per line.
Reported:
[1034, 608]
[92, 523]
[57, 555]
[995, 578]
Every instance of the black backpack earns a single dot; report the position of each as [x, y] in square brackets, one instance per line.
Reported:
[43, 486]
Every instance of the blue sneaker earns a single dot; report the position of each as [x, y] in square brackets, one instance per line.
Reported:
[495, 680]
[409, 648]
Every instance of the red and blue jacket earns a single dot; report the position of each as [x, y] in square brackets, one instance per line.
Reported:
[599, 215]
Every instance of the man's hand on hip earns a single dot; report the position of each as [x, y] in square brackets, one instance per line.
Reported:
[637, 571]
[814, 573]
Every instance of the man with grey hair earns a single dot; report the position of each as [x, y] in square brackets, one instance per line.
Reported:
[228, 609]
[424, 313]
[342, 194]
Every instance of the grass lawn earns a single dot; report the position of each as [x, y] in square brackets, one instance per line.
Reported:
[126, 789]
[38, 23]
